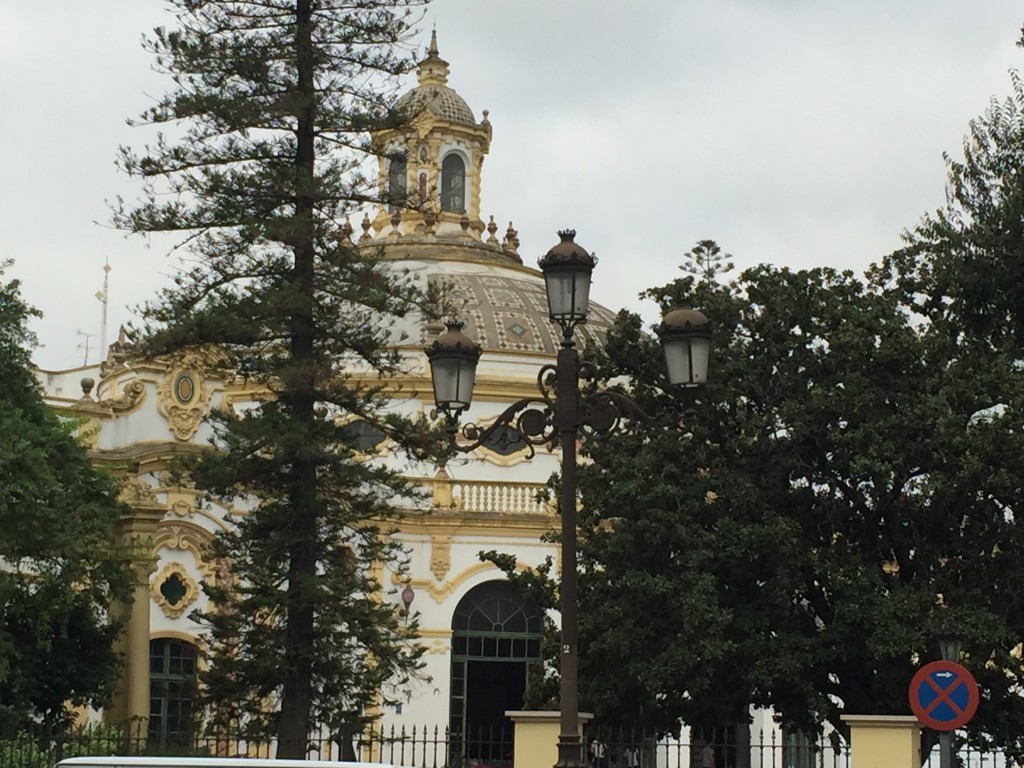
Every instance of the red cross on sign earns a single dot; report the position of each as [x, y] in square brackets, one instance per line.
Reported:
[943, 695]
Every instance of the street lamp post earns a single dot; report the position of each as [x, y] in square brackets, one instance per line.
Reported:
[558, 416]
[949, 650]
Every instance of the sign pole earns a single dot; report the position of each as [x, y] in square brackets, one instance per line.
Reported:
[946, 749]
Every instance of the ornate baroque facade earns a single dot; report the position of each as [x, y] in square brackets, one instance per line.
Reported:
[142, 414]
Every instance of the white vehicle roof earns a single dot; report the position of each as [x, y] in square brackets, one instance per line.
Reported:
[108, 761]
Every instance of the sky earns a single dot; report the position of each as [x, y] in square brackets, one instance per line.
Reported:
[795, 132]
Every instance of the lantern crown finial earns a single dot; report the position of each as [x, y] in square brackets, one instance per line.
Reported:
[567, 252]
[567, 268]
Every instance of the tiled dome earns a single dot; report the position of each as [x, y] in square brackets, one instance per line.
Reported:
[442, 101]
[433, 92]
[507, 311]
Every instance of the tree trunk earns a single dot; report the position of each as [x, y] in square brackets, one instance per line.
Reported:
[297, 696]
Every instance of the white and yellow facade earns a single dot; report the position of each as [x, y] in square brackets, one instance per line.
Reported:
[141, 414]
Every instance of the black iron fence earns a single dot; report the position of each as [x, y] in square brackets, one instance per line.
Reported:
[967, 756]
[723, 747]
[437, 748]
[409, 748]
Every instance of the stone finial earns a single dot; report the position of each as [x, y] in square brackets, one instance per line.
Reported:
[365, 224]
[346, 231]
[464, 223]
[117, 353]
[485, 121]
[511, 238]
[492, 228]
[430, 219]
[88, 382]
[396, 218]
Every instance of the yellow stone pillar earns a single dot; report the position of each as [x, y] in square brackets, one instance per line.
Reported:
[129, 706]
[884, 741]
[535, 737]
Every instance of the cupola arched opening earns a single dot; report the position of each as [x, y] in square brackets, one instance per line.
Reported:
[398, 183]
[453, 183]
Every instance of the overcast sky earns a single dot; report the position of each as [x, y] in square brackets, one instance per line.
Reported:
[796, 132]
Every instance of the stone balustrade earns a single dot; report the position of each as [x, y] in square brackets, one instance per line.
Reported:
[482, 497]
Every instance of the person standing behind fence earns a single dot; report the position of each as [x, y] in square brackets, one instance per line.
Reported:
[631, 757]
[598, 754]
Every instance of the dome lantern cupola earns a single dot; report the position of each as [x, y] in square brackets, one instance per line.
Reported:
[433, 70]
[430, 164]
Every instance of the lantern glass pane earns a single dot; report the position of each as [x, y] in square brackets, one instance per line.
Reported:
[568, 293]
[464, 386]
[677, 360]
[444, 373]
[687, 360]
[700, 350]
[452, 377]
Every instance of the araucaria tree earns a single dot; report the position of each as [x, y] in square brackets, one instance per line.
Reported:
[269, 114]
[60, 572]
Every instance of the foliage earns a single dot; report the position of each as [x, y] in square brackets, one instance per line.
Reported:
[843, 495]
[59, 571]
[964, 264]
[270, 108]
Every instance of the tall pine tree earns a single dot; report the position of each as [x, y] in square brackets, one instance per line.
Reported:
[269, 113]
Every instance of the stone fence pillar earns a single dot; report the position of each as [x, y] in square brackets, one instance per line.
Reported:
[535, 737]
[884, 741]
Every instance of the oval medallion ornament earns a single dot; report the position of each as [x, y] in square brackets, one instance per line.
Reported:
[184, 389]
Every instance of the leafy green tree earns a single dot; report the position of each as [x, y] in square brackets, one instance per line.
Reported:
[964, 264]
[59, 572]
[842, 494]
[270, 109]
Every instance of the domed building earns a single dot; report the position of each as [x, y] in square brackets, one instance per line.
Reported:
[480, 637]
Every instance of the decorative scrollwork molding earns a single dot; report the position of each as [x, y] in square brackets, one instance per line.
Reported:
[439, 647]
[136, 492]
[440, 556]
[187, 537]
[131, 397]
[183, 396]
[174, 590]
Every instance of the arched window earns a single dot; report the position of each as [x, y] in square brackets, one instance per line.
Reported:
[172, 688]
[496, 638]
[398, 183]
[453, 184]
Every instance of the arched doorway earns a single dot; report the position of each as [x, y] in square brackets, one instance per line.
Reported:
[495, 638]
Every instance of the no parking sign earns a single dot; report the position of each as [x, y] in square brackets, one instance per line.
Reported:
[943, 695]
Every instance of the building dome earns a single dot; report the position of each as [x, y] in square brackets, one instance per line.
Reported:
[506, 310]
[503, 304]
[433, 94]
[443, 102]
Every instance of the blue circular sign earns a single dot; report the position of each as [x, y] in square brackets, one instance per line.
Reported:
[943, 695]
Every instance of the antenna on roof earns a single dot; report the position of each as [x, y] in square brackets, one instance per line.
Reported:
[85, 345]
[104, 297]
